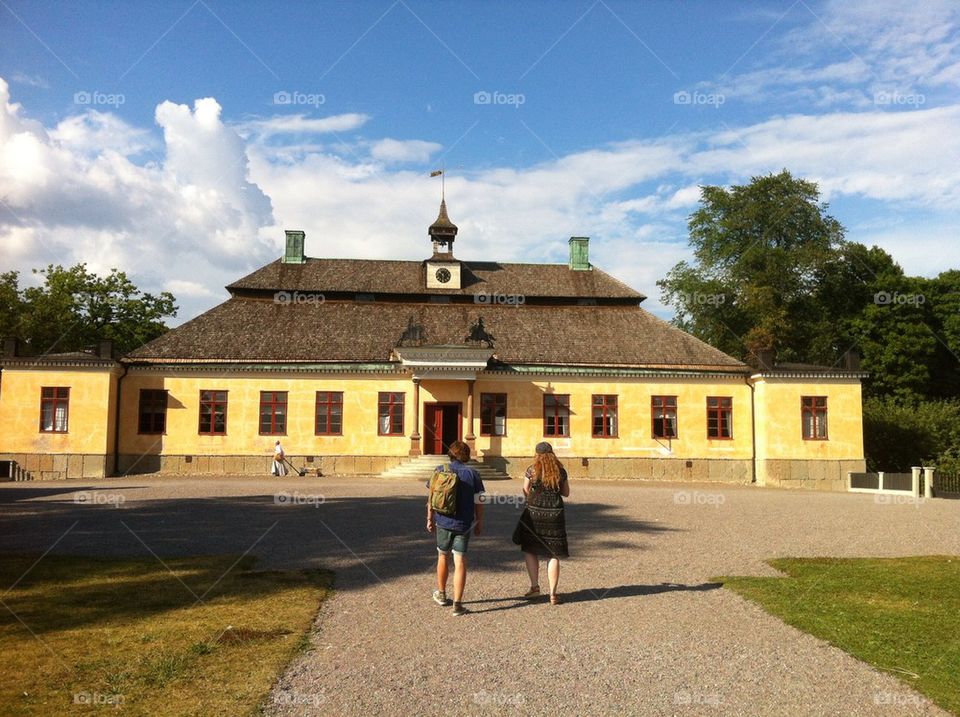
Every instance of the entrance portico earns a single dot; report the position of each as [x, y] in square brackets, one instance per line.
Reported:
[443, 363]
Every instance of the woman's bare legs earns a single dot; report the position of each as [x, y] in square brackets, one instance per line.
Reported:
[553, 572]
[533, 569]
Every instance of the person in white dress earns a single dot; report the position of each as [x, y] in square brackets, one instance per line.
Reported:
[279, 467]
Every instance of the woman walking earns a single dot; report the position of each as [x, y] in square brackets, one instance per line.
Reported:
[542, 530]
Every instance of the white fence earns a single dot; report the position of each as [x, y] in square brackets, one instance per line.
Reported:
[893, 483]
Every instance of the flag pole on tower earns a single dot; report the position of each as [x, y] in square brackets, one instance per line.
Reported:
[440, 173]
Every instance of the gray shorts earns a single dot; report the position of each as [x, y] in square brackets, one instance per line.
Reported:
[448, 540]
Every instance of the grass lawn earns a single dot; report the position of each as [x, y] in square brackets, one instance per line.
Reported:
[901, 615]
[83, 634]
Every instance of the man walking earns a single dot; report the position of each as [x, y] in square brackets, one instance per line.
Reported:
[453, 531]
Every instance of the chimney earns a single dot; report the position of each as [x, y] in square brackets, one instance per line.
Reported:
[851, 360]
[293, 254]
[766, 359]
[105, 349]
[580, 254]
[11, 347]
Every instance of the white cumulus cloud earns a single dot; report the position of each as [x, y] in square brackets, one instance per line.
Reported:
[397, 151]
[73, 193]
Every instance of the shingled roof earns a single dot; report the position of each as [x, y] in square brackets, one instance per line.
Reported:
[407, 277]
[70, 358]
[260, 330]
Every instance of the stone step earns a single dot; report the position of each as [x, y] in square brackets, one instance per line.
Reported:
[422, 468]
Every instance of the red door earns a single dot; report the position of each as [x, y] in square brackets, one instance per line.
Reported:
[433, 429]
[441, 427]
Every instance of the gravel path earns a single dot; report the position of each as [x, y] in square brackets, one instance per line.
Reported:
[643, 631]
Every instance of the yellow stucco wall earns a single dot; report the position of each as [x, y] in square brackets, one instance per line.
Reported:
[779, 430]
[243, 406]
[524, 419]
[90, 417]
[635, 440]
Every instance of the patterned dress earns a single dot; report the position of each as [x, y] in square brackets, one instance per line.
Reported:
[542, 529]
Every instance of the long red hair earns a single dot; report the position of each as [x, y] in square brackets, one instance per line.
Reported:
[546, 468]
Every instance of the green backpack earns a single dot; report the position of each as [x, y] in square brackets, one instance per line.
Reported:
[443, 491]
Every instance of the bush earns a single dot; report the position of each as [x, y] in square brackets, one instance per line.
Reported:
[899, 435]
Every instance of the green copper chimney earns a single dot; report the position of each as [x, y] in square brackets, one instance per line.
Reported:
[580, 253]
[294, 250]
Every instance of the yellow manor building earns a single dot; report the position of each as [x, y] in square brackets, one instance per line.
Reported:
[363, 366]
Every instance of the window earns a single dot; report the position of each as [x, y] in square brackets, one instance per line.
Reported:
[153, 411]
[813, 411]
[390, 414]
[664, 411]
[556, 415]
[604, 416]
[213, 413]
[54, 408]
[329, 413]
[719, 417]
[273, 413]
[493, 414]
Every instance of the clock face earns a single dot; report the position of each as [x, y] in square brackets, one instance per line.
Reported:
[443, 275]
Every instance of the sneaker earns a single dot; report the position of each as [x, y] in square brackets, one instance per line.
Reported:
[459, 609]
[440, 598]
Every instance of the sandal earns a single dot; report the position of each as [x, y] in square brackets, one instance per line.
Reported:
[532, 593]
[555, 600]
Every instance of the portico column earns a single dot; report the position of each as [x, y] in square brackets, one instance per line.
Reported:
[415, 436]
[470, 438]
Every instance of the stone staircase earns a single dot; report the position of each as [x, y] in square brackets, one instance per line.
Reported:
[422, 467]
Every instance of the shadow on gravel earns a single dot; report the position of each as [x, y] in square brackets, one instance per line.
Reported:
[622, 591]
[14, 495]
[366, 540]
[592, 595]
[509, 603]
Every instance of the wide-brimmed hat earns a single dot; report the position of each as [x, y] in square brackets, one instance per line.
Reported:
[544, 447]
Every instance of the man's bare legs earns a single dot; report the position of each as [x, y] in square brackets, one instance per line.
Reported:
[459, 576]
[443, 569]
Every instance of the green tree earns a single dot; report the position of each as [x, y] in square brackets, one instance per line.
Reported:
[896, 335]
[772, 270]
[11, 304]
[75, 308]
[849, 280]
[942, 302]
[759, 250]
[899, 435]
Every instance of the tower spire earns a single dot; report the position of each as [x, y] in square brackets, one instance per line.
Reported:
[443, 231]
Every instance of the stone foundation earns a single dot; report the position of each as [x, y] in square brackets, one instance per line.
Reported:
[695, 470]
[45, 466]
[254, 465]
[809, 475]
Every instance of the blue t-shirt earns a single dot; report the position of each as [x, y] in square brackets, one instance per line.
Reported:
[469, 486]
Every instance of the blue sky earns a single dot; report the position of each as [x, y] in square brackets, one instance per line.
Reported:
[176, 140]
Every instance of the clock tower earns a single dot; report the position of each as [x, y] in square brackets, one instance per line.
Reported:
[443, 271]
